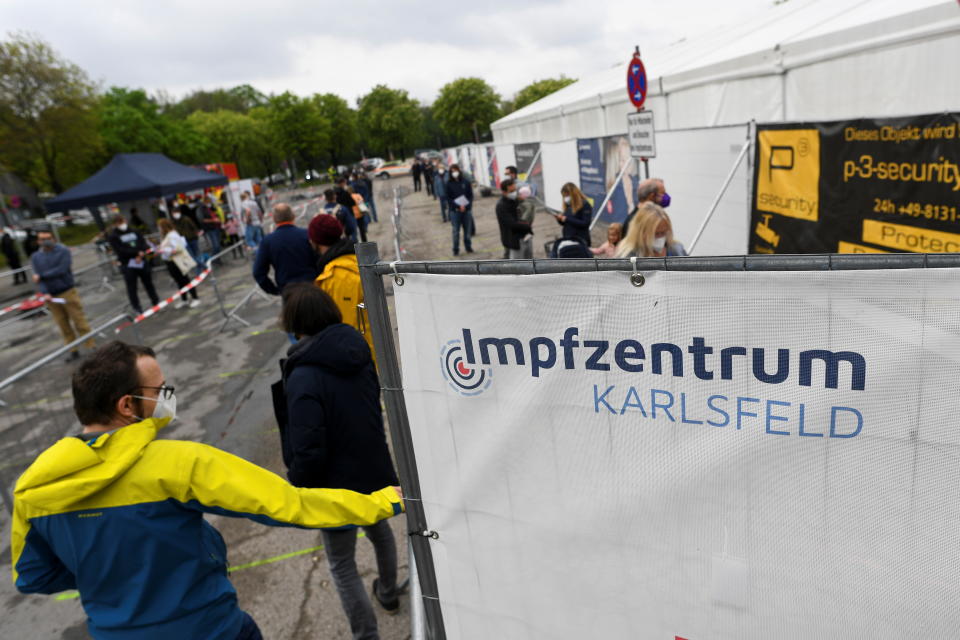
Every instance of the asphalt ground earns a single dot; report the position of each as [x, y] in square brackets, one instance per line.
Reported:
[222, 380]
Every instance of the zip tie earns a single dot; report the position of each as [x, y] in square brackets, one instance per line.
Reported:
[636, 278]
[426, 534]
[397, 278]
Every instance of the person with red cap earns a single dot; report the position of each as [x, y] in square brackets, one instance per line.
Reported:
[339, 274]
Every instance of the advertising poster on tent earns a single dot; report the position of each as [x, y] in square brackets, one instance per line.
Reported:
[722, 455]
[592, 178]
[493, 170]
[858, 186]
[530, 166]
[616, 156]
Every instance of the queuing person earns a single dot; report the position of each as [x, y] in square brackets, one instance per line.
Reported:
[53, 275]
[332, 435]
[344, 215]
[428, 179]
[339, 272]
[609, 248]
[173, 250]
[252, 216]
[650, 235]
[131, 251]
[512, 229]
[359, 188]
[9, 247]
[440, 192]
[231, 228]
[210, 223]
[650, 190]
[345, 198]
[526, 211]
[32, 244]
[417, 171]
[577, 214]
[118, 514]
[186, 227]
[372, 202]
[287, 249]
[460, 200]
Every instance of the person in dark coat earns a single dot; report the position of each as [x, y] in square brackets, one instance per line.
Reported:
[512, 230]
[288, 251]
[131, 251]
[577, 214]
[417, 170]
[345, 198]
[428, 179]
[461, 213]
[9, 247]
[327, 405]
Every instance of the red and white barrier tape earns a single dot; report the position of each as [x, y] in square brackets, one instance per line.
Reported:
[163, 303]
[34, 301]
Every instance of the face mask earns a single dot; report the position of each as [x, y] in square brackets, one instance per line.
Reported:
[48, 244]
[122, 227]
[164, 407]
[512, 195]
[659, 243]
[665, 200]
[455, 174]
[176, 216]
[566, 199]
[442, 171]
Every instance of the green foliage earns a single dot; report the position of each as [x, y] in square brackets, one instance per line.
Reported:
[240, 99]
[466, 107]
[233, 137]
[130, 122]
[299, 126]
[389, 121]
[77, 234]
[343, 126]
[47, 120]
[537, 90]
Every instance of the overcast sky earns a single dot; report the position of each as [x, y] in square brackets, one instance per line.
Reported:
[349, 46]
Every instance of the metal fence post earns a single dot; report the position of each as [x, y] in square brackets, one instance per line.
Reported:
[389, 366]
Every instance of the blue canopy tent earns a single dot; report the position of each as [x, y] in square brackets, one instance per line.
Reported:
[134, 176]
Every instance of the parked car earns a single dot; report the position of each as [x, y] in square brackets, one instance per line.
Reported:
[371, 164]
[393, 169]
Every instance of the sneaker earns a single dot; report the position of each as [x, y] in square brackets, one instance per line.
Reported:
[74, 355]
[194, 303]
[179, 304]
[390, 606]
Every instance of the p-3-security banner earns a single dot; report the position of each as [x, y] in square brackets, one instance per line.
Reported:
[723, 456]
[858, 186]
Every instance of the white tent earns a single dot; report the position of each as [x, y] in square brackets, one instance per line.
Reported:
[800, 60]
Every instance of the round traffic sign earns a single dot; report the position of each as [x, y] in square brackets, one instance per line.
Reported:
[636, 81]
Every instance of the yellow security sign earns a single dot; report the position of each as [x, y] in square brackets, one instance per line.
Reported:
[788, 172]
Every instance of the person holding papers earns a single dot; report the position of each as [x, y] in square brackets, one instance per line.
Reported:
[460, 201]
[131, 251]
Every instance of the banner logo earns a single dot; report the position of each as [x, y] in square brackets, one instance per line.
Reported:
[789, 172]
[466, 379]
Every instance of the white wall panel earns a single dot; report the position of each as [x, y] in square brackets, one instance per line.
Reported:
[560, 165]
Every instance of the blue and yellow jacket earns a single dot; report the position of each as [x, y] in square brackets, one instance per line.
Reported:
[120, 518]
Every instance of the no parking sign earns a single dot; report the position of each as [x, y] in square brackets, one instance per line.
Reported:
[636, 80]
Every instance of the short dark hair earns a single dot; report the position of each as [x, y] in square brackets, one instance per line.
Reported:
[330, 195]
[105, 377]
[506, 184]
[511, 169]
[307, 309]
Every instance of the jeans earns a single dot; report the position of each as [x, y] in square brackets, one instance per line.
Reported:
[253, 236]
[341, 546]
[444, 214]
[130, 277]
[362, 225]
[461, 219]
[373, 208]
[249, 630]
[213, 235]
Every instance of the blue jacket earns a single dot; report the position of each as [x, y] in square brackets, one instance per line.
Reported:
[288, 251]
[328, 409]
[457, 188]
[119, 517]
[577, 225]
[345, 216]
[53, 267]
[440, 185]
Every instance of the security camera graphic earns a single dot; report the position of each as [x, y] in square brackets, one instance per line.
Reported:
[765, 232]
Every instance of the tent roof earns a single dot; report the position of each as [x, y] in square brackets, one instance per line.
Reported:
[779, 37]
[134, 176]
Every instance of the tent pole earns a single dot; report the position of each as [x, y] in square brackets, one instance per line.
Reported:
[723, 189]
[598, 210]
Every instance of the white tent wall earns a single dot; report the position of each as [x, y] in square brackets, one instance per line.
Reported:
[560, 165]
[505, 157]
[483, 173]
[693, 164]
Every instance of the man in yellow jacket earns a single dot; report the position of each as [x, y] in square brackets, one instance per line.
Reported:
[339, 274]
[118, 515]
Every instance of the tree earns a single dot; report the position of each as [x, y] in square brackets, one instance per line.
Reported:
[537, 90]
[389, 121]
[47, 116]
[130, 122]
[241, 99]
[266, 152]
[233, 137]
[466, 107]
[343, 125]
[300, 128]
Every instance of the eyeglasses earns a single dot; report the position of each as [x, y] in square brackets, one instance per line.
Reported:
[164, 391]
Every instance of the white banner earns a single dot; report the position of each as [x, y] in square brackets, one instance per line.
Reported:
[712, 455]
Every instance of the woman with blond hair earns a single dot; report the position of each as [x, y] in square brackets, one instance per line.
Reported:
[173, 250]
[650, 235]
[577, 213]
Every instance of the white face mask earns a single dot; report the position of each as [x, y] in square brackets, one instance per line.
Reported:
[566, 199]
[122, 227]
[512, 195]
[455, 174]
[176, 216]
[163, 407]
[659, 243]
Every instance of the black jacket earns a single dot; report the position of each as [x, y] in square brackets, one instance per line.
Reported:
[511, 229]
[127, 245]
[577, 225]
[328, 409]
[343, 247]
[344, 198]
